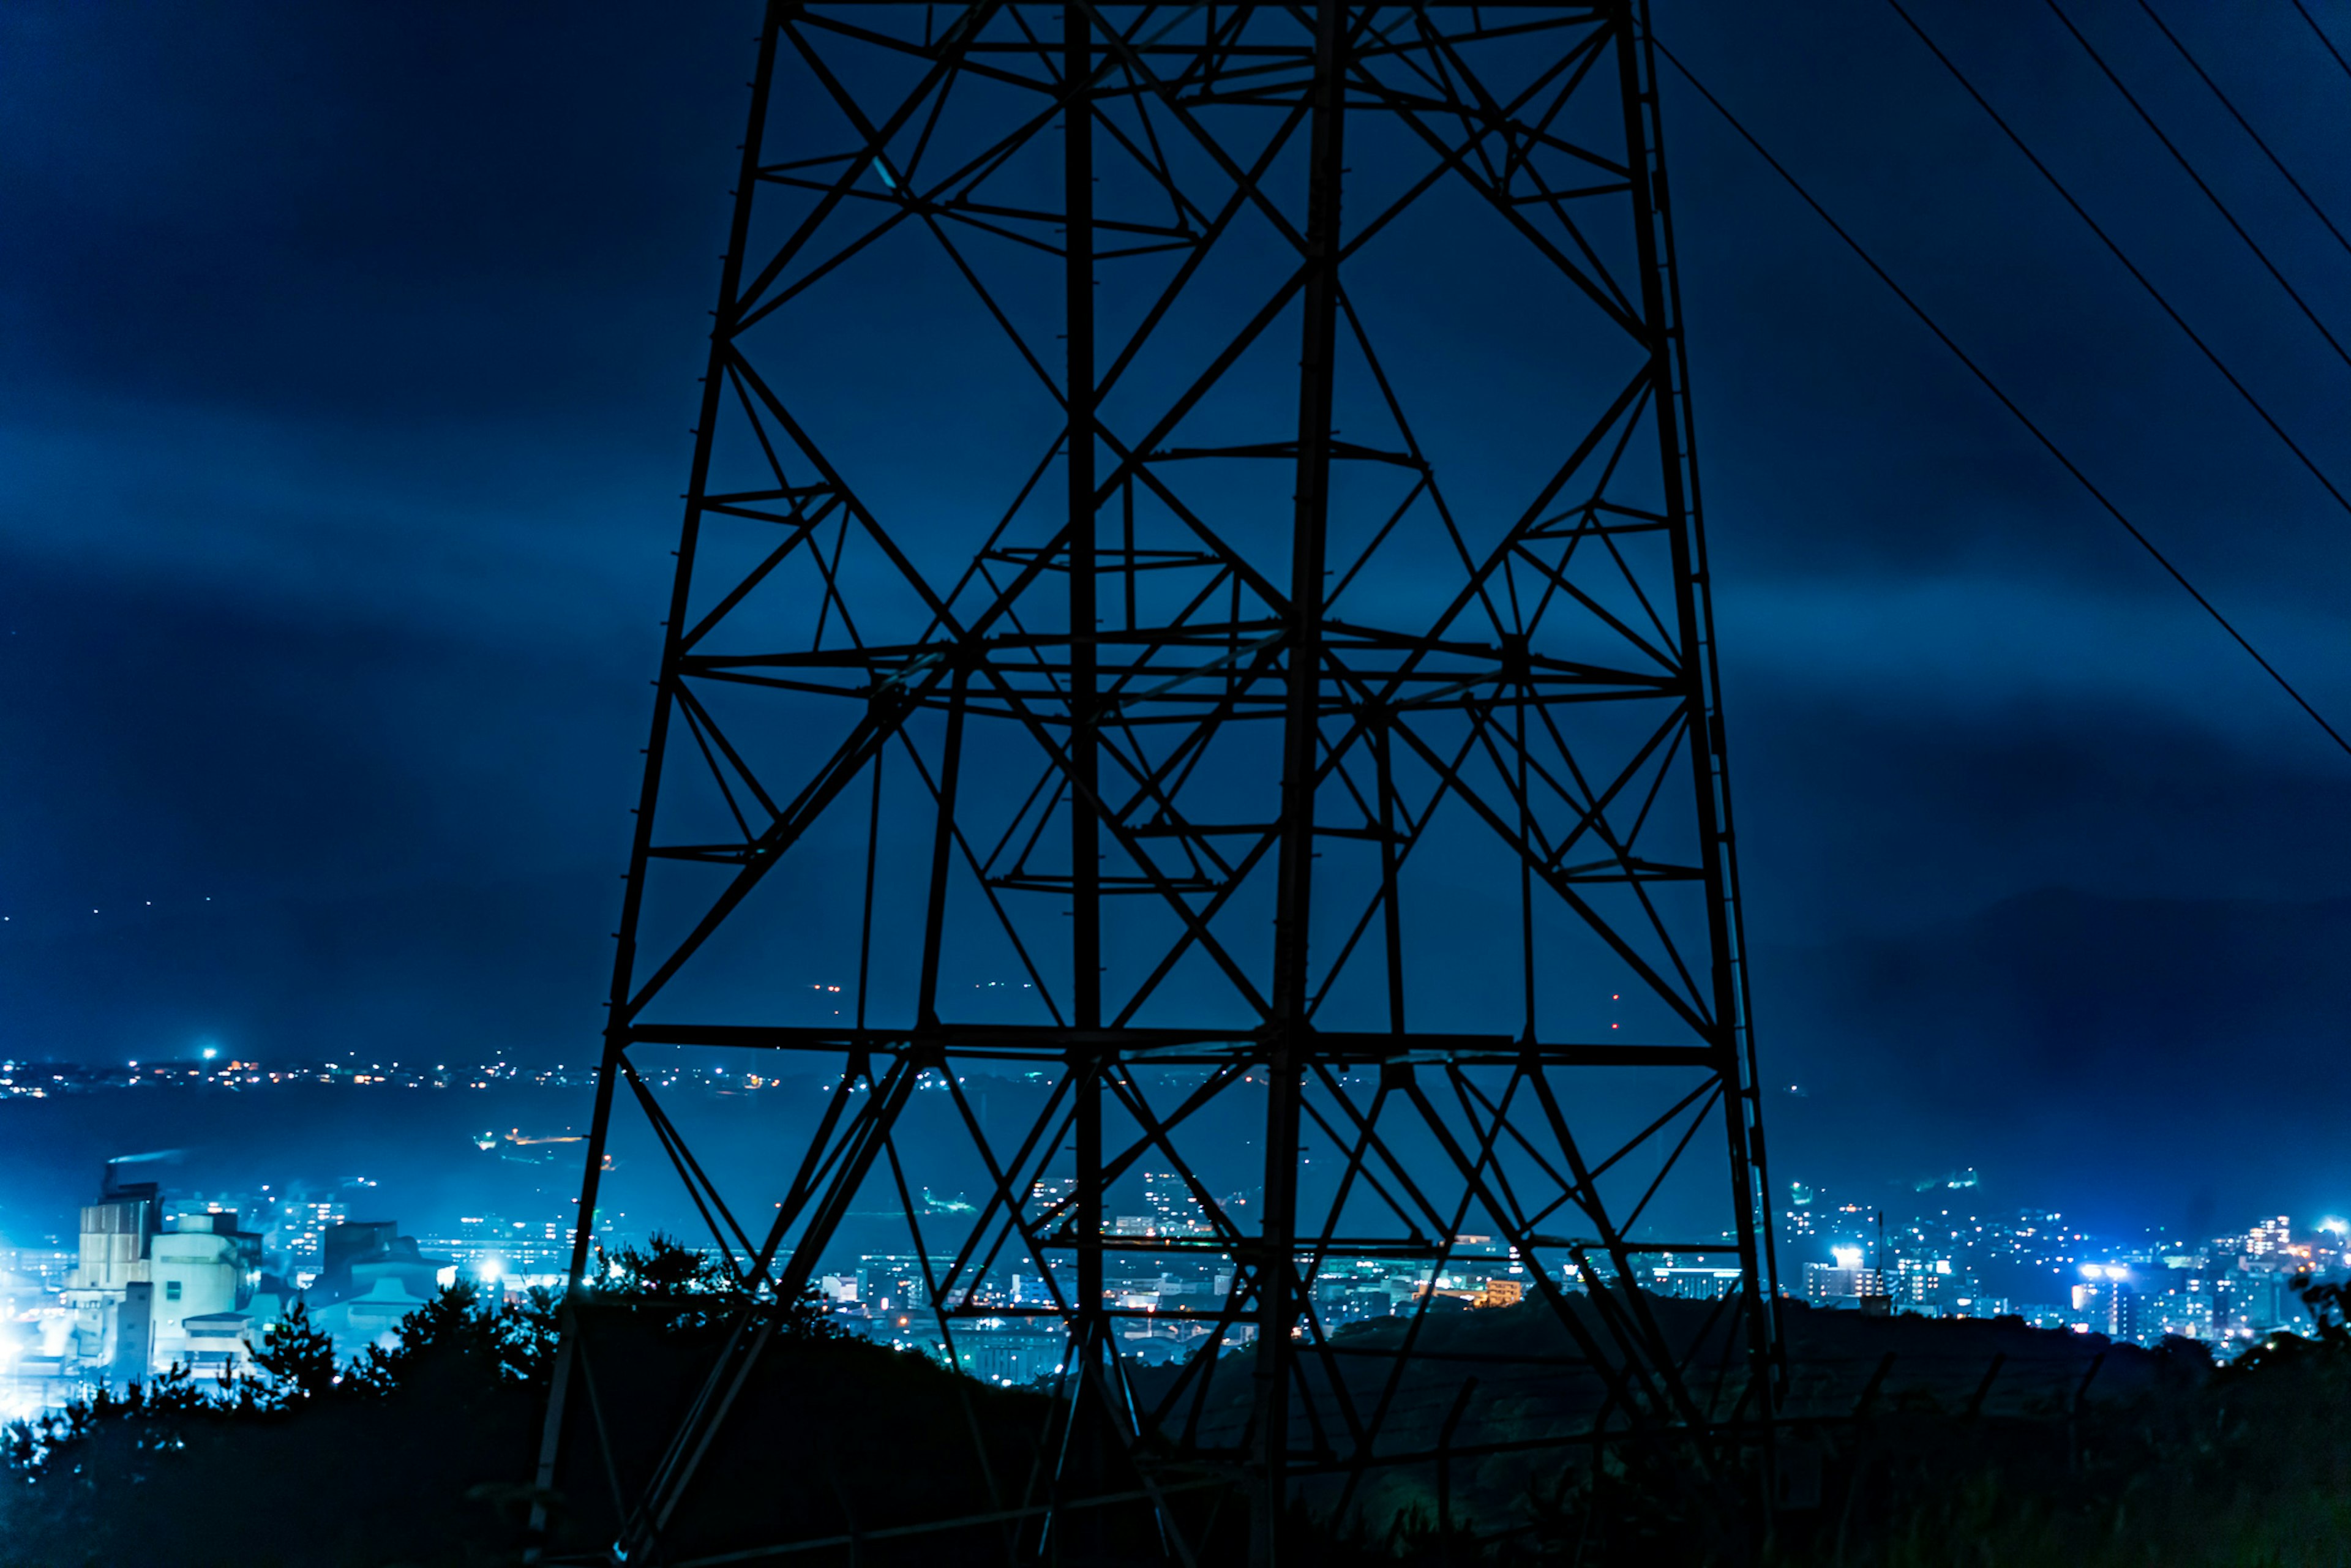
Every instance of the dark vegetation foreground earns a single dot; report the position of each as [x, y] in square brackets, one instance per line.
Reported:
[2091, 1457]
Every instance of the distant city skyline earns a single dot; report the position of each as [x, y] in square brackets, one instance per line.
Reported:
[70, 1313]
[1810, 1216]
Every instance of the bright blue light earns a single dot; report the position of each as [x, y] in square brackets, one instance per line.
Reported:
[210, 1052]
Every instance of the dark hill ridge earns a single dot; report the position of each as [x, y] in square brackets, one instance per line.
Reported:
[1528, 1383]
[841, 1449]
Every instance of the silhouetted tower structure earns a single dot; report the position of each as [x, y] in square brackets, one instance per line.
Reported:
[1192, 602]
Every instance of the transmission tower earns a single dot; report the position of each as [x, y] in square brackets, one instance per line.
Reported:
[1192, 622]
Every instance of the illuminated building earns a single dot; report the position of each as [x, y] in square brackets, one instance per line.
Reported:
[302, 1227]
[1694, 1282]
[111, 1291]
[896, 1281]
[1010, 1355]
[1842, 1282]
[1925, 1285]
[1174, 1211]
[203, 1268]
[2188, 1309]
[2107, 1302]
[492, 1247]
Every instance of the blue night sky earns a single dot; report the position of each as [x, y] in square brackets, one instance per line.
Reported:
[347, 357]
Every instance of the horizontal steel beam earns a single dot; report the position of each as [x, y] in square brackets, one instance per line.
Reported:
[1575, 12]
[1045, 1043]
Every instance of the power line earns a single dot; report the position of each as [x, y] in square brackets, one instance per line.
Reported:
[2275, 161]
[2128, 265]
[2190, 169]
[2006, 401]
[2324, 41]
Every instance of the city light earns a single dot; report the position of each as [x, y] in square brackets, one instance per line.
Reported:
[2228, 1292]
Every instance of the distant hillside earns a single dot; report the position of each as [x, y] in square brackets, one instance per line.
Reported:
[2112, 1043]
[2172, 1061]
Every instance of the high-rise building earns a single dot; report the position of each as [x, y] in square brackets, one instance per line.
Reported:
[2107, 1302]
[1926, 1284]
[301, 1231]
[1842, 1282]
[1174, 1211]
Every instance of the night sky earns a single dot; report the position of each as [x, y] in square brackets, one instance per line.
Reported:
[347, 359]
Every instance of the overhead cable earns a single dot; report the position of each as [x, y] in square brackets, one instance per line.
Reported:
[2275, 161]
[2006, 401]
[2190, 169]
[2128, 265]
[2324, 41]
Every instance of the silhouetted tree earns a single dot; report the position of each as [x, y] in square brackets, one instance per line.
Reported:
[298, 1355]
[664, 1269]
[694, 1292]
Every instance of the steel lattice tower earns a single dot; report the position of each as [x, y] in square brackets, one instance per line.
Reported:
[1193, 599]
